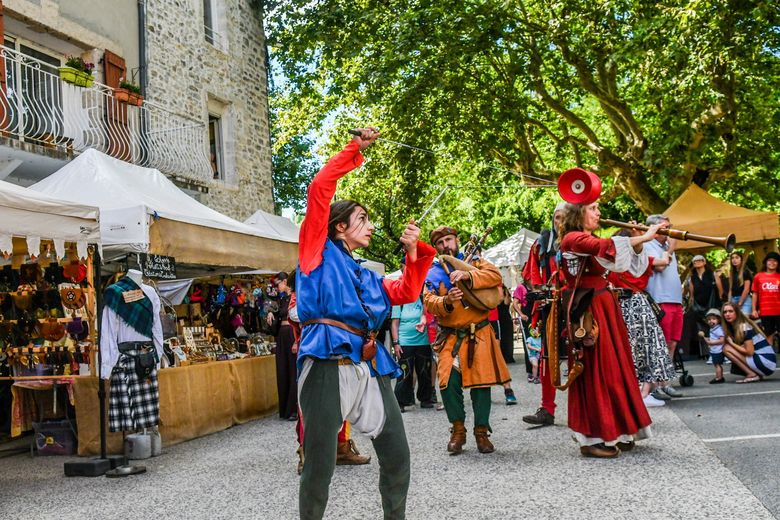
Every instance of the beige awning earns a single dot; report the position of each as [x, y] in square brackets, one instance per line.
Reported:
[696, 211]
[200, 245]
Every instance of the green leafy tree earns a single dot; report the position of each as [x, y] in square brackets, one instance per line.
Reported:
[651, 96]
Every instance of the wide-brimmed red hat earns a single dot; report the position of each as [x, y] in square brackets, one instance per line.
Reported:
[578, 186]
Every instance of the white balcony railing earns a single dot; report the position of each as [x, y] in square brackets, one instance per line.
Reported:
[36, 106]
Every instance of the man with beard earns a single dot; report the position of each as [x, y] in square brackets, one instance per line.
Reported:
[469, 354]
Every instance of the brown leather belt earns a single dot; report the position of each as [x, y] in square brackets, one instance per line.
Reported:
[369, 336]
[338, 324]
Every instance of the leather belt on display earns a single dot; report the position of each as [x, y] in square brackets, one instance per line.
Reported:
[126, 346]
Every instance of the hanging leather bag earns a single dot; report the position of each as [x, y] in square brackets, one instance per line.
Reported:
[73, 297]
[52, 330]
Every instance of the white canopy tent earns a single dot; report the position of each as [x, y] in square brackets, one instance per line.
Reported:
[283, 227]
[29, 217]
[143, 211]
[289, 230]
[511, 254]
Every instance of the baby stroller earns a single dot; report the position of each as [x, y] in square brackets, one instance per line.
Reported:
[686, 379]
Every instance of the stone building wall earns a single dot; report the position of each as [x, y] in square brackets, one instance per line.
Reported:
[188, 75]
[76, 27]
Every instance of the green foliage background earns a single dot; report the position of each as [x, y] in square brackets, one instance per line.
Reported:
[650, 95]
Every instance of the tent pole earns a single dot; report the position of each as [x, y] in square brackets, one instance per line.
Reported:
[97, 466]
[96, 265]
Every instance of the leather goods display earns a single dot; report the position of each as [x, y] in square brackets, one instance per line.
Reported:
[23, 297]
[144, 354]
[52, 330]
[145, 362]
[30, 274]
[73, 297]
[9, 279]
[78, 329]
[24, 330]
[52, 275]
[74, 271]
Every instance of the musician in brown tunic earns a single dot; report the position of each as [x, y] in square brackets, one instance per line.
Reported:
[468, 352]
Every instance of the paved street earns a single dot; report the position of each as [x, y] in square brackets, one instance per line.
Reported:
[706, 460]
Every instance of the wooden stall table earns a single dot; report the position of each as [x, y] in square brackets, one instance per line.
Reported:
[195, 400]
[34, 398]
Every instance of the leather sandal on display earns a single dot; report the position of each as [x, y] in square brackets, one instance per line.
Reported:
[600, 451]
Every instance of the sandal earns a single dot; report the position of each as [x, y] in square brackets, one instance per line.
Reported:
[750, 379]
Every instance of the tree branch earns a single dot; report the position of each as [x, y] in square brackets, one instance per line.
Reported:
[535, 69]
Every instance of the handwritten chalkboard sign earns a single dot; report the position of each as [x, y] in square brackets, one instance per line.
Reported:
[156, 266]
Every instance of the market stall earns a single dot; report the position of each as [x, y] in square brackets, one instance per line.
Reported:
[47, 306]
[142, 211]
[150, 224]
[696, 211]
[511, 254]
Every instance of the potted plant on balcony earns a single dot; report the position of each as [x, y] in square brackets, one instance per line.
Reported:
[134, 93]
[77, 72]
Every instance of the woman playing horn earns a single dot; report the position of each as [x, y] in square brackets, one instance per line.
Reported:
[606, 410]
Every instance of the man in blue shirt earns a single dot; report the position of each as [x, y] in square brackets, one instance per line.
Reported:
[413, 349]
[666, 289]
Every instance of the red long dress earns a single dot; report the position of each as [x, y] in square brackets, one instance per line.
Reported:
[605, 404]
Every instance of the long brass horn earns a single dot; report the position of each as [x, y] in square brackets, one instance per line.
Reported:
[727, 242]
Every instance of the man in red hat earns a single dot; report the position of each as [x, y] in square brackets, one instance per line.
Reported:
[469, 355]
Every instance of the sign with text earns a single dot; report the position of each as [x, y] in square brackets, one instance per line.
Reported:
[156, 266]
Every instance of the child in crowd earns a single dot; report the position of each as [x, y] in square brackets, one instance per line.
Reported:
[534, 344]
[715, 341]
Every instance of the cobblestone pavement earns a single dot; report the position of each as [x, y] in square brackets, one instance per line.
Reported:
[249, 472]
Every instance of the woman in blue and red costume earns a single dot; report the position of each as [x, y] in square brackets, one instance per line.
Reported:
[341, 305]
[606, 410]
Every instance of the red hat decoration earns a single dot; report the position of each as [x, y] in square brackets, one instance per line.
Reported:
[578, 186]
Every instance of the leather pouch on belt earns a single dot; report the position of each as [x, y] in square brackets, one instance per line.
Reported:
[369, 347]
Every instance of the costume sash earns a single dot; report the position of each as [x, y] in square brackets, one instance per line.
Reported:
[138, 314]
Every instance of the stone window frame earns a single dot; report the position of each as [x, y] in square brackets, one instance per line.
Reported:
[216, 34]
[224, 111]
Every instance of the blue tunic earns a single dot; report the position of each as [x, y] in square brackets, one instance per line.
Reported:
[334, 290]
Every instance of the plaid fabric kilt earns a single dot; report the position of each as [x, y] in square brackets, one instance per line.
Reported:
[132, 404]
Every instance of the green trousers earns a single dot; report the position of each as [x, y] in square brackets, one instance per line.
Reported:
[452, 397]
[320, 406]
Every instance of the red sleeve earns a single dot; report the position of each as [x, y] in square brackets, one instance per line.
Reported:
[531, 271]
[314, 229]
[296, 327]
[409, 287]
[581, 242]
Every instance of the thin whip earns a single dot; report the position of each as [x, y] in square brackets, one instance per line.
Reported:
[547, 182]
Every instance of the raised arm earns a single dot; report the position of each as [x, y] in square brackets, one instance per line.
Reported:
[409, 287]
[314, 229]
